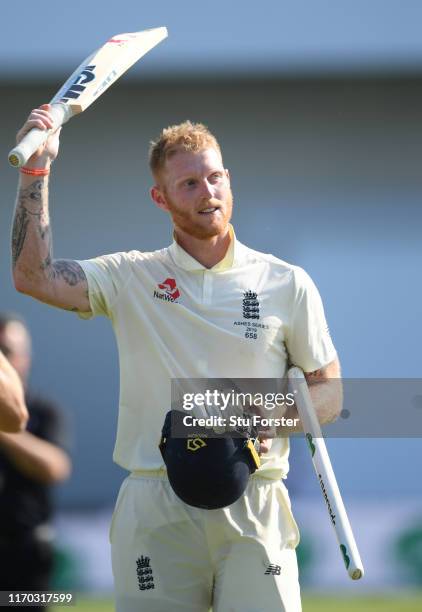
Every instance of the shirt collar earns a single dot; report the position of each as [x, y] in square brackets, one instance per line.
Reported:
[187, 262]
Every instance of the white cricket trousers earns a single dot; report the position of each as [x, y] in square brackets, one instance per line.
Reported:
[168, 556]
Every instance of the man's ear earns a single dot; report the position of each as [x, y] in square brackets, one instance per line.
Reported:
[158, 197]
[227, 174]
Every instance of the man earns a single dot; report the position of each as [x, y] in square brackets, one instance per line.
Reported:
[180, 313]
[30, 462]
[13, 412]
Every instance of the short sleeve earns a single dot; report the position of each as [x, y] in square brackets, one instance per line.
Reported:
[308, 340]
[107, 277]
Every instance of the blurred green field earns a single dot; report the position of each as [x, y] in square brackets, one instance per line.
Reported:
[411, 603]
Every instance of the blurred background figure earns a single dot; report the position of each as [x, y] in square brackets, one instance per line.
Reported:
[30, 462]
[13, 411]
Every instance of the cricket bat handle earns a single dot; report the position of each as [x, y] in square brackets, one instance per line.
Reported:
[20, 154]
[325, 474]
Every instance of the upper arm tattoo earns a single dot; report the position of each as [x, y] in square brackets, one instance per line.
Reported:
[70, 271]
[316, 376]
[329, 372]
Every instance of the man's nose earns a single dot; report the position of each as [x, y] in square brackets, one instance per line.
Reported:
[207, 190]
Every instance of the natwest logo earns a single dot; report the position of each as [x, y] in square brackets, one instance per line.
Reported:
[171, 292]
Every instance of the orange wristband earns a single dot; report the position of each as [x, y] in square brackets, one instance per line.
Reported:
[35, 171]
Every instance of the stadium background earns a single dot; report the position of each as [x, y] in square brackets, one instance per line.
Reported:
[318, 108]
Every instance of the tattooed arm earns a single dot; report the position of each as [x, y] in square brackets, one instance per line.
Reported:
[61, 283]
[326, 391]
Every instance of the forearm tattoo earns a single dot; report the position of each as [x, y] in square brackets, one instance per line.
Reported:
[32, 210]
[29, 205]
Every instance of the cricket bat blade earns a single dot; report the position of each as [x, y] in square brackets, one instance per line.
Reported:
[89, 81]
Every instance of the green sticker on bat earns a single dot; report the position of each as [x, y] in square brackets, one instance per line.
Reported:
[346, 558]
[311, 444]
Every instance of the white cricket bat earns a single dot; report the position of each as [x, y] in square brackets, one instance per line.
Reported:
[96, 73]
[326, 477]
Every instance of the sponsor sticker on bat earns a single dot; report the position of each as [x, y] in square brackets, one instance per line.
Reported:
[79, 84]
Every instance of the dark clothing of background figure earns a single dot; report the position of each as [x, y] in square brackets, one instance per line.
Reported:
[26, 549]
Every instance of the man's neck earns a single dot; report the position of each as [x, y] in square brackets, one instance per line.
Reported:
[208, 251]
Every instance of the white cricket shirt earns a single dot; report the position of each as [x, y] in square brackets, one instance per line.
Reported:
[174, 318]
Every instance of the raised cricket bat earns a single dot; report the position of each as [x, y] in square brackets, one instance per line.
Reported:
[325, 474]
[96, 73]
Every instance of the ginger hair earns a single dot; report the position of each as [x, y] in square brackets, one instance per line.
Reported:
[186, 136]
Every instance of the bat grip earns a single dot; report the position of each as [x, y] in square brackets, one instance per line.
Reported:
[20, 154]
